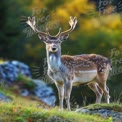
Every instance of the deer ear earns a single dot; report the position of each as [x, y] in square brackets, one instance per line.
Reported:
[63, 37]
[43, 37]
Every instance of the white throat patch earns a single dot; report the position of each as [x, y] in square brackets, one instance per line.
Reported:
[54, 63]
[52, 58]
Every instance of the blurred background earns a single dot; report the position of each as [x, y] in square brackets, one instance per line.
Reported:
[99, 30]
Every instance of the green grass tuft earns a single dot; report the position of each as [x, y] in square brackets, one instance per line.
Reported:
[25, 82]
[111, 106]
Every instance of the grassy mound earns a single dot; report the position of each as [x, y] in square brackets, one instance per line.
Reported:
[26, 112]
[113, 106]
[22, 109]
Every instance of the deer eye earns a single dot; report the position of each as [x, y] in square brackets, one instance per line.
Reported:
[59, 42]
[49, 42]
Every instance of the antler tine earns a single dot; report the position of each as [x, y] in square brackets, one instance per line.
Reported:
[72, 22]
[47, 31]
[32, 23]
[59, 31]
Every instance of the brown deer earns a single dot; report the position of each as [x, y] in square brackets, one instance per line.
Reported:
[67, 71]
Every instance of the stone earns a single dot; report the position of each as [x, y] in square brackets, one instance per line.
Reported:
[4, 98]
[44, 92]
[10, 70]
[116, 116]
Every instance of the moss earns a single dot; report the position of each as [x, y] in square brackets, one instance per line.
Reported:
[111, 106]
[25, 82]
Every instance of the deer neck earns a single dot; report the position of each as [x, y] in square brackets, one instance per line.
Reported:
[54, 60]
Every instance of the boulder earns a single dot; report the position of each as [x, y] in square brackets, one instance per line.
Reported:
[43, 91]
[10, 70]
[116, 116]
[4, 98]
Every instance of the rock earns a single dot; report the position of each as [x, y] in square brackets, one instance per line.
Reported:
[44, 92]
[10, 70]
[22, 68]
[83, 110]
[4, 98]
[59, 119]
[24, 92]
[116, 119]
[116, 116]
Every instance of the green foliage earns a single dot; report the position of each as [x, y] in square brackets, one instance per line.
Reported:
[93, 31]
[25, 82]
[11, 37]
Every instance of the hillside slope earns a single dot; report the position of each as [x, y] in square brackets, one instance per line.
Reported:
[22, 109]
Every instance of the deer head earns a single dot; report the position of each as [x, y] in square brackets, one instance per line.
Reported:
[52, 42]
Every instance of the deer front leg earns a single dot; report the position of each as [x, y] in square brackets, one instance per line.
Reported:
[60, 88]
[68, 89]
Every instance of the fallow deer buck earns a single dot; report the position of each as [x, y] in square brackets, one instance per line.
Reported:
[66, 70]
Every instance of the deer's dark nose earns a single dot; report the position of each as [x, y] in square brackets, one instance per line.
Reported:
[54, 49]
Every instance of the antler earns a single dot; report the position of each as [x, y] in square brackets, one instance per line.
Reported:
[45, 35]
[32, 23]
[72, 22]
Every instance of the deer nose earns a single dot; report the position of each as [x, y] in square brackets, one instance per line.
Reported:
[54, 49]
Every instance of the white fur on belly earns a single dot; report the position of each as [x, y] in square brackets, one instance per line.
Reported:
[85, 76]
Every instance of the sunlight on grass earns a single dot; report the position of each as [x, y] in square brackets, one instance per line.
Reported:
[22, 109]
[13, 112]
[1, 61]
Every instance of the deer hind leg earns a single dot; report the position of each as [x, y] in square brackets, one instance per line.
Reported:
[106, 91]
[68, 89]
[60, 88]
[102, 83]
[97, 90]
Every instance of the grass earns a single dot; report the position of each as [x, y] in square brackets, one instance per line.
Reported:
[25, 82]
[2, 61]
[112, 106]
[27, 110]
[12, 112]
